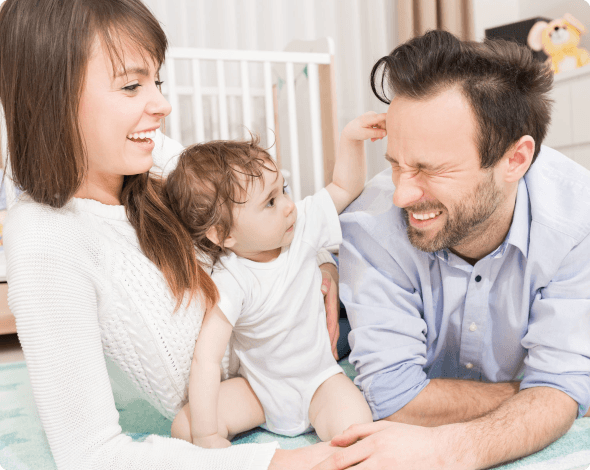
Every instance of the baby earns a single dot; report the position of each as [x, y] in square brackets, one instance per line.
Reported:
[231, 197]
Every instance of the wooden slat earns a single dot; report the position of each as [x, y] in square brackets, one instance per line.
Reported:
[270, 110]
[315, 121]
[198, 102]
[329, 117]
[223, 119]
[246, 100]
[175, 132]
[293, 134]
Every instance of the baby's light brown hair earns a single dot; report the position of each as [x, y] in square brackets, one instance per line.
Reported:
[211, 179]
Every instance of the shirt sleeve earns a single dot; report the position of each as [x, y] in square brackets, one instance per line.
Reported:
[318, 213]
[558, 336]
[165, 154]
[231, 294]
[52, 293]
[388, 337]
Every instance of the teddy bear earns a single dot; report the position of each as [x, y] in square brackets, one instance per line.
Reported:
[559, 39]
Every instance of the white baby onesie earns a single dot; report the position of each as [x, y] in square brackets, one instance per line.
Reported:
[277, 309]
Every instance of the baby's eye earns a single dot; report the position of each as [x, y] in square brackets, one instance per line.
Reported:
[284, 188]
[271, 202]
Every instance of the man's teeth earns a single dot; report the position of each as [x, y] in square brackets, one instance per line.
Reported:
[426, 216]
[142, 135]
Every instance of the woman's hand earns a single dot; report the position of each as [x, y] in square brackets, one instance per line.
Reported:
[332, 303]
[303, 458]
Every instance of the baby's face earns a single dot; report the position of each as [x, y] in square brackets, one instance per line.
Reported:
[266, 222]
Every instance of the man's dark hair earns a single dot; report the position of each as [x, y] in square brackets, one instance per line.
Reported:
[506, 87]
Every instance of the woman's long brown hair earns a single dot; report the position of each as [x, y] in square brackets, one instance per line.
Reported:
[44, 51]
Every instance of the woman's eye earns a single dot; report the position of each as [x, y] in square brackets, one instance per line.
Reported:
[284, 189]
[271, 203]
[133, 87]
[159, 83]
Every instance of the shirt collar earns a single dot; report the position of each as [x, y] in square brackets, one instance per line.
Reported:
[518, 235]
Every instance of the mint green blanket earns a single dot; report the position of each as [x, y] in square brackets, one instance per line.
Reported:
[23, 445]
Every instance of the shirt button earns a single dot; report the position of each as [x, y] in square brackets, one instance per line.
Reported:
[469, 365]
[477, 278]
[472, 327]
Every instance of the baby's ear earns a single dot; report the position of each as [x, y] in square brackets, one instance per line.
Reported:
[213, 236]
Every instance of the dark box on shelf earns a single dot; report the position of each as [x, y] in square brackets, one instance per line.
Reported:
[518, 32]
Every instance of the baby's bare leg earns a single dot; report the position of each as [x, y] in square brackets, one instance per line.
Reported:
[238, 410]
[336, 405]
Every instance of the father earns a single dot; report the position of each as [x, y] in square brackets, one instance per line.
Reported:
[467, 279]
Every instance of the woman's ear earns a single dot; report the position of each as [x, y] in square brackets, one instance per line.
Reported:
[520, 157]
[213, 235]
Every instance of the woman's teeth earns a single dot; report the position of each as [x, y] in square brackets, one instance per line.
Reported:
[426, 216]
[142, 135]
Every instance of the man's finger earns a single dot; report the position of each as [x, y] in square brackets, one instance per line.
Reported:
[345, 458]
[357, 432]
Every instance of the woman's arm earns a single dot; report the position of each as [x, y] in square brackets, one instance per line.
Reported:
[55, 281]
[205, 377]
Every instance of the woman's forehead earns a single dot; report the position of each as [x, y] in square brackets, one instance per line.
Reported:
[123, 55]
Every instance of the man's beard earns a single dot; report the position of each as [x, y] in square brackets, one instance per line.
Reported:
[468, 216]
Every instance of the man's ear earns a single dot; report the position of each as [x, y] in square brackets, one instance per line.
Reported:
[520, 157]
[213, 236]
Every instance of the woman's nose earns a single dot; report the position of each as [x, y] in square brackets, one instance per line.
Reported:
[159, 105]
[407, 191]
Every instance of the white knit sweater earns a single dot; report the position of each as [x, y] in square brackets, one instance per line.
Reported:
[82, 291]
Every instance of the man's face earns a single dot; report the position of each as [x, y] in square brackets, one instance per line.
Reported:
[448, 200]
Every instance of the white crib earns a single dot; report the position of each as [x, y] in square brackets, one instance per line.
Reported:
[292, 90]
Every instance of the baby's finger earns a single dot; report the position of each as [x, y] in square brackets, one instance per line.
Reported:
[372, 119]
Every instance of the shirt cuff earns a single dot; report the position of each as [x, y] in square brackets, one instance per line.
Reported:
[575, 385]
[391, 391]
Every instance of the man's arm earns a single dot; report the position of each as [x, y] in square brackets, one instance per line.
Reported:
[518, 427]
[446, 401]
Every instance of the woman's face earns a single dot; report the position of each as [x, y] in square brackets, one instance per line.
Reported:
[118, 115]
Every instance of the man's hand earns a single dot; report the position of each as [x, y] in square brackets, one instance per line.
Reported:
[330, 291]
[393, 446]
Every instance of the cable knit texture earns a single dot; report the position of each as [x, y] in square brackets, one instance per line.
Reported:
[81, 289]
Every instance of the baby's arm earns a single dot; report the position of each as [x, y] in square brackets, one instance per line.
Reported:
[350, 170]
[205, 376]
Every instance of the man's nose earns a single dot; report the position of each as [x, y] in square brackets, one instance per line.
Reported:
[407, 190]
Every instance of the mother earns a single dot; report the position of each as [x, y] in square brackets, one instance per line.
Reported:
[104, 281]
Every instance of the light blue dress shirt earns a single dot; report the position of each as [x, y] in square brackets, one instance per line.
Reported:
[521, 313]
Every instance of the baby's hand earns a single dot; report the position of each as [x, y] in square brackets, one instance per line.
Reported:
[367, 126]
[215, 441]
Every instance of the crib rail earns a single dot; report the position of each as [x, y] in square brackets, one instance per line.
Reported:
[316, 64]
